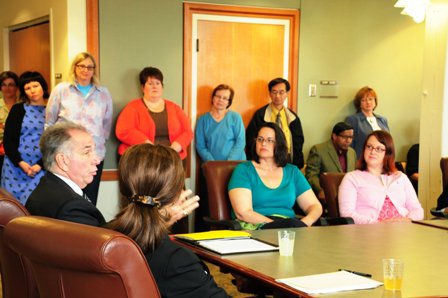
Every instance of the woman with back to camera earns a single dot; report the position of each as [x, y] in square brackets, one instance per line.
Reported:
[365, 120]
[153, 119]
[23, 166]
[84, 101]
[377, 192]
[220, 133]
[151, 178]
[263, 191]
[9, 82]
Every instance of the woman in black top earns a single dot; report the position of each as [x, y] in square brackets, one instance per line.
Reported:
[151, 179]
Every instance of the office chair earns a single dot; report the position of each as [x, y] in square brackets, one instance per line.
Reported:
[330, 184]
[76, 260]
[17, 277]
[217, 175]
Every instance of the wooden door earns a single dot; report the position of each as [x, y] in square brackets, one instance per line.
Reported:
[29, 49]
[245, 56]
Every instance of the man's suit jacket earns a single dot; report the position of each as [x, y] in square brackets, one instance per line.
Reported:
[324, 158]
[56, 199]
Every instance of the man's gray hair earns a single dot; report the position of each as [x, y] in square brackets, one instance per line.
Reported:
[56, 139]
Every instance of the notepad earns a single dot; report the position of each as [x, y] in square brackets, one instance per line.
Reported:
[330, 282]
[226, 242]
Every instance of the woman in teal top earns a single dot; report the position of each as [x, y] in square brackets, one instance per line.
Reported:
[220, 133]
[263, 191]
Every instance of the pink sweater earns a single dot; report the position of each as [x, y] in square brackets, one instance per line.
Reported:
[135, 126]
[362, 194]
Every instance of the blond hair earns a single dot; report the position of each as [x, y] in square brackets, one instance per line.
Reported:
[78, 58]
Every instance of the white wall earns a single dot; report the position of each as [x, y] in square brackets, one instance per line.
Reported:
[434, 114]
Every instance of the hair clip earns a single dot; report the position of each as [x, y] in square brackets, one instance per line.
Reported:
[147, 200]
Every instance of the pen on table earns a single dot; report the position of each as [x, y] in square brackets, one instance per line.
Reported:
[357, 273]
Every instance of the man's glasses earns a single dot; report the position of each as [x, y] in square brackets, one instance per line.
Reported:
[376, 149]
[261, 140]
[279, 92]
[85, 67]
[346, 138]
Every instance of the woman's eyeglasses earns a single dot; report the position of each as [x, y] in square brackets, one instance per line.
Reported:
[376, 149]
[261, 140]
[85, 67]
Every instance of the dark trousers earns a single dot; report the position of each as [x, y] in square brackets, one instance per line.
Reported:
[442, 201]
[282, 223]
[91, 190]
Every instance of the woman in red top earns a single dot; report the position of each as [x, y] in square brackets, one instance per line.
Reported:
[152, 119]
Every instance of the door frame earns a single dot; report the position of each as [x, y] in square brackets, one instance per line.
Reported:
[190, 9]
[32, 20]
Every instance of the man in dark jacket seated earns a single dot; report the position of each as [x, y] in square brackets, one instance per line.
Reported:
[68, 154]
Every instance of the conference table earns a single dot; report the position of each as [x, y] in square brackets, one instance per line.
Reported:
[353, 247]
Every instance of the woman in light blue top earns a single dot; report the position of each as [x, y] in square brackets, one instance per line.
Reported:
[220, 133]
[365, 121]
[263, 191]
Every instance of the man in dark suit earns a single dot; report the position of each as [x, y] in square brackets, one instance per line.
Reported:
[68, 154]
[335, 155]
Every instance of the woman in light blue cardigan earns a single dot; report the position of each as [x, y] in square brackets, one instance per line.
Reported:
[365, 121]
[220, 133]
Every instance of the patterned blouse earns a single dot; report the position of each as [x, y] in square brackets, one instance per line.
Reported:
[94, 111]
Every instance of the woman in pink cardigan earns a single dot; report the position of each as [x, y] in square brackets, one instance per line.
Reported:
[377, 192]
[152, 119]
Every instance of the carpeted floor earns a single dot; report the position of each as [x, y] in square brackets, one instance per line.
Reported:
[225, 281]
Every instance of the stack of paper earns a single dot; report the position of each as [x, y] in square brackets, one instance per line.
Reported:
[330, 282]
[235, 246]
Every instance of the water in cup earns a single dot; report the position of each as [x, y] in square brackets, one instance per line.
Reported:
[393, 274]
[286, 242]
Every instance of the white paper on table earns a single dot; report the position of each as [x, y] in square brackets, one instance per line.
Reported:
[330, 282]
[233, 246]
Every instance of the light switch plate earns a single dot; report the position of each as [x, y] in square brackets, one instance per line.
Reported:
[312, 90]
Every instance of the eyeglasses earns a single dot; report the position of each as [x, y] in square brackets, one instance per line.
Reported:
[10, 85]
[346, 138]
[279, 92]
[85, 67]
[376, 149]
[222, 98]
[368, 99]
[261, 140]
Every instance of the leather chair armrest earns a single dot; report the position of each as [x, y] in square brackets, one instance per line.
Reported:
[228, 224]
[335, 221]
[321, 222]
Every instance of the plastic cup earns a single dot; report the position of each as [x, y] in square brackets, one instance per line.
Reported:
[393, 274]
[286, 242]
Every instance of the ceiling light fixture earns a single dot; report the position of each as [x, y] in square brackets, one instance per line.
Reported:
[414, 8]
